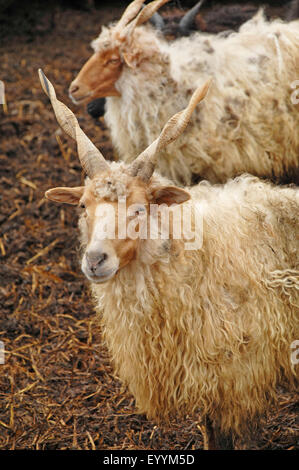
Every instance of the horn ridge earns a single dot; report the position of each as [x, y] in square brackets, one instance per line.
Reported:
[144, 15]
[144, 165]
[129, 14]
[92, 161]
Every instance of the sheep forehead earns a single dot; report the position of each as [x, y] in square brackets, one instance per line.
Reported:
[107, 39]
[112, 186]
[104, 41]
[110, 38]
[117, 183]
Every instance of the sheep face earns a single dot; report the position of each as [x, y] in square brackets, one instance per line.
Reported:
[116, 197]
[114, 49]
[103, 224]
[115, 218]
[98, 76]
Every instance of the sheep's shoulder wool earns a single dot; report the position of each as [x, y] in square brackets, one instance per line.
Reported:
[210, 329]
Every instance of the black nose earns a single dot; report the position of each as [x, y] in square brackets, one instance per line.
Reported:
[95, 260]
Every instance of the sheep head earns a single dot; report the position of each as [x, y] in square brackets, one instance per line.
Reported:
[113, 50]
[116, 198]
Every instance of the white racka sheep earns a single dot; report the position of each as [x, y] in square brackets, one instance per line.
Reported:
[250, 123]
[205, 328]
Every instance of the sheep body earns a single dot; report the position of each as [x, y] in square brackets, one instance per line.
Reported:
[247, 124]
[210, 329]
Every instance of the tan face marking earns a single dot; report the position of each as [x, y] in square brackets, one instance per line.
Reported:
[111, 233]
[100, 219]
[97, 77]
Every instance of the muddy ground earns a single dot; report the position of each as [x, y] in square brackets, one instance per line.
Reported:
[57, 389]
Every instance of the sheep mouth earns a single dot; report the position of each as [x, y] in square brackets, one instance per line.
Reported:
[80, 100]
[99, 279]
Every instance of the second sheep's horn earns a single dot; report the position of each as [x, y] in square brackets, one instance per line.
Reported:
[144, 15]
[157, 21]
[92, 161]
[144, 165]
[186, 23]
[129, 14]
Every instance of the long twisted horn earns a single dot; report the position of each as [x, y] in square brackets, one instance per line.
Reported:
[129, 14]
[186, 22]
[144, 165]
[145, 14]
[91, 159]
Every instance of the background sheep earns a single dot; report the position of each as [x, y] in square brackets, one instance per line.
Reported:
[251, 122]
[174, 23]
[219, 341]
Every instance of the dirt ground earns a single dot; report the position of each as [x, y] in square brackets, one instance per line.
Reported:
[57, 389]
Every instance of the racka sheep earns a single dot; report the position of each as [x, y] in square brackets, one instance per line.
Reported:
[207, 328]
[177, 25]
[251, 123]
[170, 28]
[193, 323]
[219, 18]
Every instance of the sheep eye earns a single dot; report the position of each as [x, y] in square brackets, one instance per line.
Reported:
[82, 206]
[113, 61]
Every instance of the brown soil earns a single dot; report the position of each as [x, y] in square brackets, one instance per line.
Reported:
[57, 389]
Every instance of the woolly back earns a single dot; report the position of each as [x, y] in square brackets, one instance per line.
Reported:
[249, 117]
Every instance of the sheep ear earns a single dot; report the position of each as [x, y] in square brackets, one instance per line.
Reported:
[66, 195]
[132, 59]
[170, 195]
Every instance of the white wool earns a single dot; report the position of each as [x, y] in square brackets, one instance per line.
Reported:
[247, 122]
[210, 329]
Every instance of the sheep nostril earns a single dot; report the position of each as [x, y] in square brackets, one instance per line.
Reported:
[102, 258]
[94, 261]
[74, 88]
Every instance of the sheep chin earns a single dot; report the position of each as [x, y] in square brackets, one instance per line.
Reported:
[100, 279]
